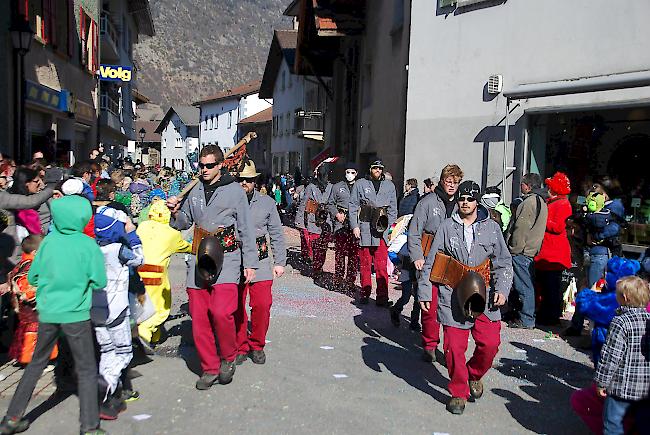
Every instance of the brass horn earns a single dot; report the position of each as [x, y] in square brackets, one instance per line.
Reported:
[379, 219]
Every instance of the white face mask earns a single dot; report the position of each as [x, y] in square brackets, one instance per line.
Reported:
[350, 176]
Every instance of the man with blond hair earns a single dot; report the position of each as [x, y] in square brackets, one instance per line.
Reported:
[430, 212]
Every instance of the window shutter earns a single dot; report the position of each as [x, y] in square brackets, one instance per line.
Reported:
[95, 33]
[23, 8]
[82, 36]
[47, 21]
[72, 30]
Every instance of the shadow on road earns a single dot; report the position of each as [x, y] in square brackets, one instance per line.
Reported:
[548, 380]
[396, 349]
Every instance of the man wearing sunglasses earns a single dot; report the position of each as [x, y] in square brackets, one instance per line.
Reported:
[429, 213]
[216, 206]
[266, 221]
[471, 238]
[371, 193]
[345, 244]
[318, 233]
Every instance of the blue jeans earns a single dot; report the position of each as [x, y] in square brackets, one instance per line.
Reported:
[596, 268]
[524, 271]
[407, 291]
[614, 412]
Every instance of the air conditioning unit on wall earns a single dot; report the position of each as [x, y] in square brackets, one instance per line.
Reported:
[495, 84]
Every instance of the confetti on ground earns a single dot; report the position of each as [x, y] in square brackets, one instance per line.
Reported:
[310, 316]
[551, 336]
[339, 375]
[538, 340]
[326, 347]
[520, 351]
[141, 417]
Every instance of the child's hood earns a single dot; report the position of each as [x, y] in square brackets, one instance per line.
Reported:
[70, 214]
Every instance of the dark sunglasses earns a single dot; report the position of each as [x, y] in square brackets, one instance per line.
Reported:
[466, 199]
[246, 180]
[208, 165]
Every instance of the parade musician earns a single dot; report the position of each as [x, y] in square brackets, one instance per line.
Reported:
[319, 230]
[216, 206]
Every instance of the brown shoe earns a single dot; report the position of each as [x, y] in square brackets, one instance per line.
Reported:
[456, 405]
[476, 389]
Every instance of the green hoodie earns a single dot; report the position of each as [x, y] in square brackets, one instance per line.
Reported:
[68, 265]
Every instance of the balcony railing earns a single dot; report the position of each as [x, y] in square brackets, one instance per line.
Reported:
[308, 122]
[109, 104]
[110, 38]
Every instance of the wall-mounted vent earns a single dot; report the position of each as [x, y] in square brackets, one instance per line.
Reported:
[495, 84]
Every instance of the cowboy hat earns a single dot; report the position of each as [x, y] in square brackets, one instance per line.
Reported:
[249, 170]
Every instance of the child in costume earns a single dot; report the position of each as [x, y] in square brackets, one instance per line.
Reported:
[115, 234]
[22, 346]
[159, 241]
[601, 306]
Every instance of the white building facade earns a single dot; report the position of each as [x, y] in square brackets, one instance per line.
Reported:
[179, 137]
[220, 113]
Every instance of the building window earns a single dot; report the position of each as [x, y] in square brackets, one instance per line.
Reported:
[88, 35]
[280, 125]
[216, 121]
[61, 36]
[230, 119]
[209, 121]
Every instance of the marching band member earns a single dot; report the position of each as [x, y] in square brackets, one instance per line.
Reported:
[317, 220]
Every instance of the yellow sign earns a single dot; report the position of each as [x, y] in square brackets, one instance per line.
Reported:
[115, 73]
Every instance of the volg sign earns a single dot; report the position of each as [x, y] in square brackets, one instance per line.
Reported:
[115, 73]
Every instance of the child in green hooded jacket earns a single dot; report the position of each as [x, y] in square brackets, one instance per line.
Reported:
[67, 268]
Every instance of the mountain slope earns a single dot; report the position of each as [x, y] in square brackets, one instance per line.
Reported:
[204, 46]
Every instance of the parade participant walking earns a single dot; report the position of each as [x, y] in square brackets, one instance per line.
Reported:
[372, 210]
[430, 212]
[555, 255]
[317, 220]
[345, 244]
[159, 242]
[115, 234]
[467, 303]
[216, 206]
[306, 253]
[66, 270]
[266, 221]
[524, 241]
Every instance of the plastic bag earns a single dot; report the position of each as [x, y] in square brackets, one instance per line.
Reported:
[141, 312]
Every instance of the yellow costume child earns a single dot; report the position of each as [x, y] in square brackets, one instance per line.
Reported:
[159, 242]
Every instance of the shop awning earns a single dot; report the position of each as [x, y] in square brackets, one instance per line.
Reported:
[588, 84]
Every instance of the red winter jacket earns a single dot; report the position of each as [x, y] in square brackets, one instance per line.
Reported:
[556, 251]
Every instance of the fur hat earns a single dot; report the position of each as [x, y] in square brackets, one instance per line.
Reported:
[559, 183]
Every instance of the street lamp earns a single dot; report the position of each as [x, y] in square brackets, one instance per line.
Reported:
[142, 133]
[21, 39]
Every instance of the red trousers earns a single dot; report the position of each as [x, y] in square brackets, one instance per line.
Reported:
[305, 245]
[346, 246]
[213, 310]
[318, 244]
[487, 337]
[379, 256]
[260, 303]
[430, 324]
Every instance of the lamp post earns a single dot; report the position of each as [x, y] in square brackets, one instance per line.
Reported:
[142, 133]
[21, 39]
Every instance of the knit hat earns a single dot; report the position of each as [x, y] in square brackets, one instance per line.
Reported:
[559, 183]
[109, 225]
[377, 164]
[469, 188]
[73, 186]
[491, 197]
[159, 212]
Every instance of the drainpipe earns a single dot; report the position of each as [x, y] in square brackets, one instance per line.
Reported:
[505, 149]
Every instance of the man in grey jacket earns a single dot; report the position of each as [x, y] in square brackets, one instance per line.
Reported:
[266, 221]
[217, 205]
[345, 244]
[430, 212]
[524, 241]
[373, 192]
[318, 233]
[471, 238]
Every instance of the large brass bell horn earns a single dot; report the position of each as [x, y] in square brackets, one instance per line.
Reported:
[209, 261]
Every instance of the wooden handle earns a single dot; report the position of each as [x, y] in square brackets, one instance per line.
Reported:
[244, 140]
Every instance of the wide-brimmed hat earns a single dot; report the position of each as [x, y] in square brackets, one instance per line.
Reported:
[249, 170]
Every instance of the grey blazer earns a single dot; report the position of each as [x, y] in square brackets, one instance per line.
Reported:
[363, 192]
[321, 197]
[428, 215]
[227, 206]
[266, 220]
[488, 243]
[340, 197]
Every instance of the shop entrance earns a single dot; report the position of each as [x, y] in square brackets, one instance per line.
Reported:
[609, 146]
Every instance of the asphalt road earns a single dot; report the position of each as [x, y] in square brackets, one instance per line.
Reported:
[335, 368]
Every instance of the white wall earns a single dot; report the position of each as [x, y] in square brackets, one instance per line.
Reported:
[235, 109]
[449, 116]
[175, 144]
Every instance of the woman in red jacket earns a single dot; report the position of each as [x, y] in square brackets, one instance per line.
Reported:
[555, 255]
